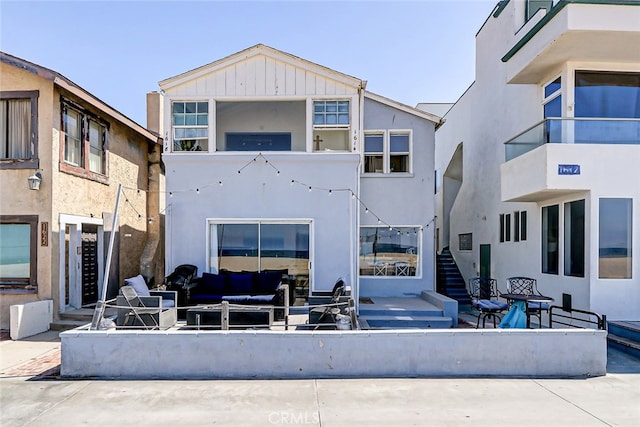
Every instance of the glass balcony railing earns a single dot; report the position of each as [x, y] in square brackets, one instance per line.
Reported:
[574, 131]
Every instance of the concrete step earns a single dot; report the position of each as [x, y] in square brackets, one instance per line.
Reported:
[85, 314]
[629, 330]
[405, 322]
[398, 311]
[65, 325]
[626, 345]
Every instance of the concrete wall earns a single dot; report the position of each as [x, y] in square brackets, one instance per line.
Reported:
[401, 199]
[492, 112]
[370, 354]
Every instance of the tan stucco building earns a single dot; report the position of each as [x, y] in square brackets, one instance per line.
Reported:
[53, 241]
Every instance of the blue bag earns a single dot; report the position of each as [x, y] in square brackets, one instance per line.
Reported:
[516, 317]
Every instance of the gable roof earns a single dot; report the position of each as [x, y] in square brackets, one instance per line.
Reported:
[63, 82]
[261, 49]
[406, 108]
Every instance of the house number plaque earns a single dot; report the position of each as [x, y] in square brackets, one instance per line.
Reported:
[44, 234]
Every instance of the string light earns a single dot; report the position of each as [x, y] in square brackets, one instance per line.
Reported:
[310, 188]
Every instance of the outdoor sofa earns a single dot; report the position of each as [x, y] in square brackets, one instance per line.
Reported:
[244, 288]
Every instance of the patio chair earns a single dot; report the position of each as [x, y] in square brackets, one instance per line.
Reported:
[329, 312]
[139, 307]
[379, 268]
[483, 292]
[527, 286]
[402, 268]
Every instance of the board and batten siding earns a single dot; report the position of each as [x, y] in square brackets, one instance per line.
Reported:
[262, 76]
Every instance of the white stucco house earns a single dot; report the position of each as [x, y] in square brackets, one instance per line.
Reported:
[275, 162]
[539, 157]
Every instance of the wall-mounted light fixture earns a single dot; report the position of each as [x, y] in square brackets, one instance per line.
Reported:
[34, 181]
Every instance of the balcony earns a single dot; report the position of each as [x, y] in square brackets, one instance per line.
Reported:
[574, 131]
[557, 157]
[581, 31]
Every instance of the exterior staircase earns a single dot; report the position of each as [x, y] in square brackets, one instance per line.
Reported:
[79, 317]
[449, 281]
[625, 336]
[401, 313]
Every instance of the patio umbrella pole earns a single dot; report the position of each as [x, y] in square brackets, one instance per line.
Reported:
[98, 314]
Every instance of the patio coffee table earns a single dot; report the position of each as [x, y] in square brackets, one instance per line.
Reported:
[240, 316]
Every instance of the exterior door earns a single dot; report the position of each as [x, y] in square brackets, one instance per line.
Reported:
[89, 264]
[485, 260]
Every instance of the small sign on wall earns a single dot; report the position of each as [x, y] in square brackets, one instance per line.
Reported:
[465, 241]
[44, 234]
[568, 169]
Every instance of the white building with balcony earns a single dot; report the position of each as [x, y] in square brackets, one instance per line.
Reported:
[540, 157]
[274, 162]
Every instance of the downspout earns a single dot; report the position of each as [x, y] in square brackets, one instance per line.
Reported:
[147, 266]
[149, 257]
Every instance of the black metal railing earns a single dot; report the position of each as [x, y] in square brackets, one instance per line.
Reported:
[592, 319]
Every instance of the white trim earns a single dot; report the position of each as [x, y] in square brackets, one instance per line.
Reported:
[269, 52]
[420, 256]
[403, 107]
[76, 222]
[293, 221]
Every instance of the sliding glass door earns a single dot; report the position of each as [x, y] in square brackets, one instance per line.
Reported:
[261, 246]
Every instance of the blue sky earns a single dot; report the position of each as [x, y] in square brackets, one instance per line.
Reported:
[410, 51]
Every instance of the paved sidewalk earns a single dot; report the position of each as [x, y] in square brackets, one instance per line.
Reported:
[29, 398]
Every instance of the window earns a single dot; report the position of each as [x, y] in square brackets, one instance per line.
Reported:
[574, 238]
[85, 141]
[388, 251]
[615, 239]
[331, 113]
[550, 227]
[519, 226]
[331, 120]
[399, 151]
[18, 246]
[387, 152]
[607, 95]
[19, 129]
[259, 246]
[190, 121]
[505, 227]
[374, 152]
[552, 108]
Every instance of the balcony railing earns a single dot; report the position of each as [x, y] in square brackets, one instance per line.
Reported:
[574, 131]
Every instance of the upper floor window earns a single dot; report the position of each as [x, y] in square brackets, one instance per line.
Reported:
[331, 113]
[190, 121]
[331, 125]
[399, 150]
[18, 250]
[374, 152]
[607, 95]
[18, 129]
[387, 152]
[85, 141]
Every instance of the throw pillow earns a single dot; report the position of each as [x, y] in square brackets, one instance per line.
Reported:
[268, 281]
[213, 284]
[138, 284]
[241, 283]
